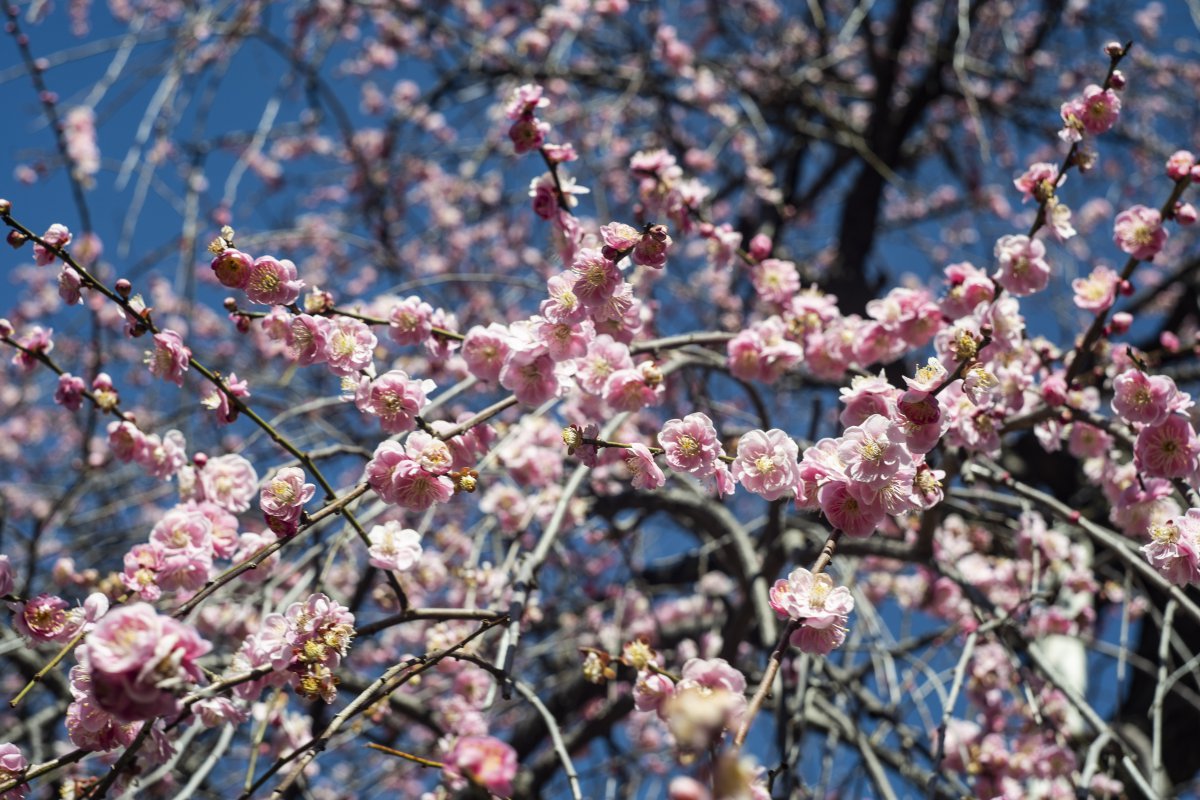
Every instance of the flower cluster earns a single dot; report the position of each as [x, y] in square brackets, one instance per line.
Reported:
[303, 646]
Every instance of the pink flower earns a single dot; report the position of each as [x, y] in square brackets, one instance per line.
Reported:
[308, 339]
[398, 478]
[775, 280]
[1138, 231]
[651, 249]
[410, 321]
[395, 398]
[1179, 165]
[646, 474]
[766, 463]
[169, 359]
[232, 268]
[650, 690]
[286, 493]
[273, 282]
[811, 599]
[605, 356]
[562, 306]
[874, 451]
[141, 661]
[1039, 181]
[70, 284]
[545, 196]
[634, 389]
[532, 375]
[847, 512]
[763, 352]
[45, 618]
[563, 341]
[394, 546]
[528, 134]
[350, 346]
[1168, 449]
[485, 761]
[597, 278]
[1023, 268]
[218, 400]
[485, 350]
[1098, 291]
[56, 236]
[69, 393]
[1138, 397]
[12, 764]
[184, 557]
[229, 481]
[1098, 109]
[1175, 548]
[691, 445]
[125, 440]
[524, 101]
[618, 238]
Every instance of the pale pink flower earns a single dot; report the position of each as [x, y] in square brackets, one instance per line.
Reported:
[1168, 449]
[605, 356]
[967, 287]
[811, 599]
[634, 389]
[410, 321]
[45, 618]
[183, 541]
[524, 101]
[618, 238]
[597, 278]
[308, 339]
[563, 341]
[1038, 182]
[1179, 165]
[646, 474]
[142, 661]
[928, 377]
[125, 440]
[766, 463]
[37, 340]
[163, 457]
[1023, 268]
[485, 350]
[775, 280]
[650, 690]
[169, 359]
[394, 547]
[229, 481]
[1139, 232]
[485, 761]
[1098, 109]
[12, 764]
[349, 346]
[819, 641]
[1174, 548]
[273, 282]
[397, 478]
[563, 305]
[1138, 397]
[56, 235]
[691, 444]
[285, 494]
[70, 285]
[1098, 291]
[874, 451]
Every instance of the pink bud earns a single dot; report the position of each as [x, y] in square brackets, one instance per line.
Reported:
[124, 287]
[1169, 342]
[1121, 321]
[760, 246]
[1114, 49]
[1185, 213]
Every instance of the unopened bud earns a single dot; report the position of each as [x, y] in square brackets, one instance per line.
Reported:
[16, 239]
[1121, 321]
[5, 207]
[124, 287]
[1114, 50]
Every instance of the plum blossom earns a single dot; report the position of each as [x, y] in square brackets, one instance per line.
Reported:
[1139, 232]
[874, 451]
[282, 499]
[395, 398]
[646, 474]
[1138, 397]
[1023, 268]
[394, 547]
[1098, 291]
[766, 463]
[485, 349]
[57, 235]
[217, 400]
[229, 481]
[485, 761]
[1174, 548]
[232, 268]
[410, 321]
[1168, 449]
[349, 346]
[141, 661]
[308, 339]
[273, 282]
[691, 445]
[170, 358]
[12, 764]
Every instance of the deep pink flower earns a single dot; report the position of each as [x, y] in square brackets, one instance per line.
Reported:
[1168, 449]
[169, 359]
[847, 512]
[397, 478]
[532, 375]
[46, 618]
[142, 661]
[691, 444]
[394, 547]
[651, 249]
[528, 133]
[69, 393]
[1039, 181]
[485, 761]
[1023, 268]
[597, 278]
[766, 463]
[1179, 165]
[1098, 109]
[1139, 232]
[273, 282]
[232, 268]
